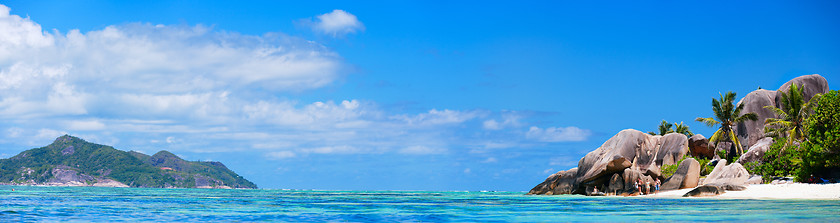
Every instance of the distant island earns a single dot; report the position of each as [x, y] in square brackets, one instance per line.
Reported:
[71, 161]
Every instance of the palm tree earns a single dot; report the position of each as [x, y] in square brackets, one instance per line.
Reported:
[727, 115]
[791, 117]
[683, 129]
[664, 128]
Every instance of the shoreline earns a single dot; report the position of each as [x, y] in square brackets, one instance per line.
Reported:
[769, 191]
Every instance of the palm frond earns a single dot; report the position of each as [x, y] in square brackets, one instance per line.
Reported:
[711, 122]
[749, 116]
[716, 137]
[776, 110]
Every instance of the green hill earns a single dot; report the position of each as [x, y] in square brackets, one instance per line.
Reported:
[73, 161]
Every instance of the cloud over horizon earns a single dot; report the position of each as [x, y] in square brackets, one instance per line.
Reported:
[197, 89]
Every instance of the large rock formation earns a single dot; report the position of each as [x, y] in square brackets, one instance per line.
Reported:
[705, 191]
[723, 174]
[561, 182]
[616, 184]
[686, 176]
[756, 151]
[698, 146]
[629, 149]
[750, 132]
[672, 148]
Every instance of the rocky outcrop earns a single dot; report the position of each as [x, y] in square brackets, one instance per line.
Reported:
[631, 177]
[686, 176]
[68, 176]
[109, 183]
[811, 85]
[559, 183]
[698, 146]
[750, 132]
[756, 151]
[727, 147]
[616, 184]
[672, 148]
[705, 191]
[723, 174]
[630, 150]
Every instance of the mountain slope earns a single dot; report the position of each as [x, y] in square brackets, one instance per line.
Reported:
[73, 161]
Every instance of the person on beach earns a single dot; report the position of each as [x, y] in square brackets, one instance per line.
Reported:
[647, 187]
[636, 185]
[657, 186]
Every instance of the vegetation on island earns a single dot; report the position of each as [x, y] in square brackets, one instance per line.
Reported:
[806, 138]
[668, 170]
[164, 169]
[665, 128]
[795, 110]
[727, 115]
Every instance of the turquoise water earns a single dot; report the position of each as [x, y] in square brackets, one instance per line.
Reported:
[219, 205]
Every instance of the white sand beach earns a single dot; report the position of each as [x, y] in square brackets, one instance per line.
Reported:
[769, 191]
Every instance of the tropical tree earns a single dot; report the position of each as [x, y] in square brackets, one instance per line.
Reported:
[664, 128]
[682, 129]
[792, 116]
[727, 115]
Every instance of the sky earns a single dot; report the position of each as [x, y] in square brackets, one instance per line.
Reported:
[394, 95]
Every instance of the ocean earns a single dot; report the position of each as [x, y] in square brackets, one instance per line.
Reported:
[93, 204]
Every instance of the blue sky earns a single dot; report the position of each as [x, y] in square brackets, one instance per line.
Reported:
[390, 95]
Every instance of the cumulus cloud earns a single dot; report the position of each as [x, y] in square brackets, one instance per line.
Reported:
[154, 59]
[557, 134]
[438, 117]
[337, 23]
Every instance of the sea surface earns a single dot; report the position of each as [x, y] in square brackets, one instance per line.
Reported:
[90, 204]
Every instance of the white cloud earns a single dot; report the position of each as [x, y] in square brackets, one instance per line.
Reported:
[509, 119]
[19, 33]
[14, 132]
[164, 67]
[438, 117]
[490, 160]
[49, 134]
[89, 125]
[281, 154]
[492, 125]
[337, 23]
[422, 150]
[563, 161]
[557, 134]
[318, 114]
[341, 149]
[193, 88]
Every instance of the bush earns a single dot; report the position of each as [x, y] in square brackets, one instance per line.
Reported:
[779, 160]
[821, 152]
[705, 169]
[669, 170]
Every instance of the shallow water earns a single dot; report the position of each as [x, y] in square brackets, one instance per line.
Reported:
[28, 203]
